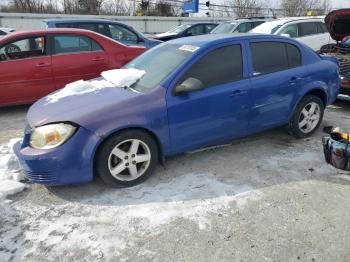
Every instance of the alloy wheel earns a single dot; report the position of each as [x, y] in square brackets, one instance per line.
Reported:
[309, 117]
[129, 160]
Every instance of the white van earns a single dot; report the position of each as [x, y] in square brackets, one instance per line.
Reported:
[311, 31]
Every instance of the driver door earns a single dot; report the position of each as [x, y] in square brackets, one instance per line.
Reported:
[218, 112]
[26, 73]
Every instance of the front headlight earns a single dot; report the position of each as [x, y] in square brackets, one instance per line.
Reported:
[50, 136]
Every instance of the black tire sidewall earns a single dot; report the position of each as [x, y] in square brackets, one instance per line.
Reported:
[293, 126]
[102, 155]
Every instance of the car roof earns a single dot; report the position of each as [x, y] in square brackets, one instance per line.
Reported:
[47, 31]
[292, 19]
[209, 39]
[79, 20]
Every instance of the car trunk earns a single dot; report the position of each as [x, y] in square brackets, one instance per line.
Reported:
[338, 25]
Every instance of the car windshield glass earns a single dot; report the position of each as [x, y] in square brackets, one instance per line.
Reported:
[158, 63]
[178, 29]
[267, 28]
[225, 27]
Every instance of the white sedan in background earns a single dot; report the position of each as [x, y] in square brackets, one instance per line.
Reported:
[311, 31]
[5, 31]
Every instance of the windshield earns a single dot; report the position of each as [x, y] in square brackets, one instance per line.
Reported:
[178, 29]
[225, 27]
[268, 27]
[158, 63]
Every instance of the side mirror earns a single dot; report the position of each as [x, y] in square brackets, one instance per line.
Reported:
[189, 85]
[286, 35]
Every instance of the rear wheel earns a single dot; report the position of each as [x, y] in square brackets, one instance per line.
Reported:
[307, 117]
[127, 158]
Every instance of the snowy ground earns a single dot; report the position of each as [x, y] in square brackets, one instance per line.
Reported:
[268, 197]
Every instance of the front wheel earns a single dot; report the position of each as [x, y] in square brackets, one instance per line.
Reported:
[127, 158]
[307, 117]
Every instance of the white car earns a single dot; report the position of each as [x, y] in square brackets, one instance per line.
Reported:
[5, 31]
[310, 31]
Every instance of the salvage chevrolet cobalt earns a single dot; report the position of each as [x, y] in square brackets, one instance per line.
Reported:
[181, 95]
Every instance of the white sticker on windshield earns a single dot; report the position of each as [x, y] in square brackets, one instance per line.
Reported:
[189, 48]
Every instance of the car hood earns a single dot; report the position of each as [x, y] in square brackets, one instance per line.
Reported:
[79, 109]
[338, 24]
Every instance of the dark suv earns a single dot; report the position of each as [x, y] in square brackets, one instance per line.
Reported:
[115, 30]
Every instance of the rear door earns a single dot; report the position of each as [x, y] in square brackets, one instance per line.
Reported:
[25, 70]
[76, 57]
[277, 76]
[312, 34]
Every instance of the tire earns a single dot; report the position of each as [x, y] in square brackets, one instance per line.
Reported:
[120, 154]
[297, 126]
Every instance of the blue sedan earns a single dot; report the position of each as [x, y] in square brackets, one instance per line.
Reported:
[191, 93]
[112, 29]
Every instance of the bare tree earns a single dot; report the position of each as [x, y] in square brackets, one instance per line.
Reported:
[243, 8]
[301, 7]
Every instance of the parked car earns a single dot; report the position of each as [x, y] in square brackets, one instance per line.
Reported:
[112, 29]
[337, 23]
[36, 63]
[196, 91]
[5, 31]
[238, 25]
[308, 30]
[186, 30]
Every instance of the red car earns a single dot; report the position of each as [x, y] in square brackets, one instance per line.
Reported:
[36, 63]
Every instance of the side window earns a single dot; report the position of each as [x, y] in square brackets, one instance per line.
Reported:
[64, 25]
[244, 27]
[24, 48]
[74, 44]
[291, 30]
[196, 30]
[308, 28]
[121, 33]
[87, 26]
[268, 57]
[221, 66]
[208, 28]
[294, 56]
[2, 33]
[256, 23]
[321, 28]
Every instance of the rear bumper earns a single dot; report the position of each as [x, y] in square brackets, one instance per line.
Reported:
[70, 163]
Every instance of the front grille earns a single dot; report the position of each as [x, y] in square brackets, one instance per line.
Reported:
[41, 177]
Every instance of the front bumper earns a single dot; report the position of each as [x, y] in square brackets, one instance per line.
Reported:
[70, 163]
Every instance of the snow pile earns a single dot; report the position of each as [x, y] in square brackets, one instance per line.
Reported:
[10, 171]
[123, 77]
[111, 78]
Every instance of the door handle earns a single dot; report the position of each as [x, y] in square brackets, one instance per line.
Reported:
[98, 59]
[43, 65]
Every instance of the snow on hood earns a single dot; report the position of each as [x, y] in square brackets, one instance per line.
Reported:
[338, 24]
[111, 78]
[10, 171]
[165, 34]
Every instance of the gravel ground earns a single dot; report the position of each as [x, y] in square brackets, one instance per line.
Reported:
[268, 197]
